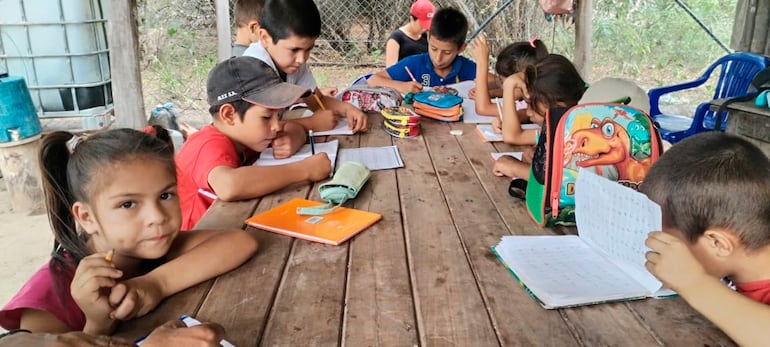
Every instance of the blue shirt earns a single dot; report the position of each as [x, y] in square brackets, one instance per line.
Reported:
[463, 69]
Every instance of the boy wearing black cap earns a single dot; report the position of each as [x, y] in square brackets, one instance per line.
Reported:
[245, 96]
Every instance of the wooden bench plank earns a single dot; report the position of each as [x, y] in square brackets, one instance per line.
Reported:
[308, 305]
[449, 307]
[188, 301]
[669, 317]
[244, 296]
[517, 317]
[379, 310]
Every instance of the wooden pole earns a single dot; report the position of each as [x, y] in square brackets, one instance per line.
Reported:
[583, 29]
[224, 49]
[122, 36]
[750, 28]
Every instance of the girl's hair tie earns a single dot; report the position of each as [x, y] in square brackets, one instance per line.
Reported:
[532, 41]
[73, 142]
[150, 130]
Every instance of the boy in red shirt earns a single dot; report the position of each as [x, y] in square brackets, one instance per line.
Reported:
[714, 193]
[245, 96]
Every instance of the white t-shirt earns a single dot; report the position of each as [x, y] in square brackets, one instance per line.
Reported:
[303, 77]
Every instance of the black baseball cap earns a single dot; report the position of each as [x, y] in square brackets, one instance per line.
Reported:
[252, 80]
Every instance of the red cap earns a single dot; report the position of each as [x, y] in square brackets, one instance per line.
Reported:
[423, 10]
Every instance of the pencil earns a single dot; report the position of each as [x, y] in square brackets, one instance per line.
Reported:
[109, 255]
[410, 73]
[312, 142]
[499, 108]
[318, 100]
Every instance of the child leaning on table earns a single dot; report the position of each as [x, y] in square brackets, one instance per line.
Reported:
[112, 204]
[245, 96]
[288, 31]
[551, 82]
[512, 59]
[714, 193]
[441, 65]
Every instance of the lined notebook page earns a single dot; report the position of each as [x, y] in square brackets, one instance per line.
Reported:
[266, 158]
[617, 219]
[374, 158]
[565, 271]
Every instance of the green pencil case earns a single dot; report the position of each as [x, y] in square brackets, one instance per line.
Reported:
[345, 185]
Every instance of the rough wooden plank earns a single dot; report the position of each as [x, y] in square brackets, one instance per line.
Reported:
[669, 318]
[308, 305]
[449, 307]
[610, 324]
[123, 36]
[378, 309]
[518, 319]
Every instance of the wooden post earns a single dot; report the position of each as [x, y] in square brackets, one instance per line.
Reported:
[583, 29]
[122, 36]
[224, 48]
[21, 172]
[750, 28]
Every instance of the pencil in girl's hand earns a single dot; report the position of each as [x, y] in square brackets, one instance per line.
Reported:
[318, 100]
[109, 255]
[312, 141]
[410, 73]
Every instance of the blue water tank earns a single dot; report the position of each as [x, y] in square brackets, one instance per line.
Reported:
[18, 119]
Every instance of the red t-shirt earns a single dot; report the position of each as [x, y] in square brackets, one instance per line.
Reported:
[204, 150]
[759, 290]
[39, 293]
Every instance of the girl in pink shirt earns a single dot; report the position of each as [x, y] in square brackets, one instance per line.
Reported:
[113, 208]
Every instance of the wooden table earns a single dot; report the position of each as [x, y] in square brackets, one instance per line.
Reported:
[749, 121]
[424, 275]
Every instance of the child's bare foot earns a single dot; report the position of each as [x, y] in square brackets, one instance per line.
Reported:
[508, 166]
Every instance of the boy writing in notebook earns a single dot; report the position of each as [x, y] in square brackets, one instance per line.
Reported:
[287, 34]
[245, 96]
[442, 64]
[714, 193]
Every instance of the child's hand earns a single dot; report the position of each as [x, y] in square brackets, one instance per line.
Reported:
[480, 49]
[329, 91]
[135, 298]
[90, 288]
[505, 166]
[175, 333]
[672, 263]
[410, 87]
[325, 120]
[357, 120]
[497, 125]
[289, 139]
[472, 93]
[528, 154]
[317, 166]
[516, 81]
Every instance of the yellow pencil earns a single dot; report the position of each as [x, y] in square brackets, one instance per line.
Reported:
[318, 100]
[109, 255]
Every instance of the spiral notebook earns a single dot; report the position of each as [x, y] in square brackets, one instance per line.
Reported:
[333, 228]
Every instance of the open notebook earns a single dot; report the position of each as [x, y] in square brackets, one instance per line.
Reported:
[605, 263]
[266, 158]
[333, 228]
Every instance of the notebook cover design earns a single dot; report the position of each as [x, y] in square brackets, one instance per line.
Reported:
[333, 228]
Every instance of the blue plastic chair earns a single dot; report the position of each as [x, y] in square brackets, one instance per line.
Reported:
[735, 73]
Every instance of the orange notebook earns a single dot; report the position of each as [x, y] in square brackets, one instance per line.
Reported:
[332, 228]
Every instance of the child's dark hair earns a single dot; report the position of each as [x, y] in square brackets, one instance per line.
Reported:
[553, 80]
[713, 180]
[283, 18]
[518, 55]
[75, 170]
[246, 11]
[449, 24]
[240, 106]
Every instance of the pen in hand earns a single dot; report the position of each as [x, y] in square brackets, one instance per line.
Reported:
[318, 100]
[410, 73]
[312, 142]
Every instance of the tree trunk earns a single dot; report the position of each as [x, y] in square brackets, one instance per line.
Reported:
[752, 26]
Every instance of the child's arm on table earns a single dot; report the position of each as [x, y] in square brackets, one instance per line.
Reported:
[320, 120]
[382, 78]
[248, 182]
[746, 321]
[480, 53]
[188, 263]
[512, 131]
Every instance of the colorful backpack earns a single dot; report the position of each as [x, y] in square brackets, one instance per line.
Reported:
[616, 141]
[371, 99]
[442, 106]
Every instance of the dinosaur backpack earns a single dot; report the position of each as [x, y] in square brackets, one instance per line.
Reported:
[616, 141]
